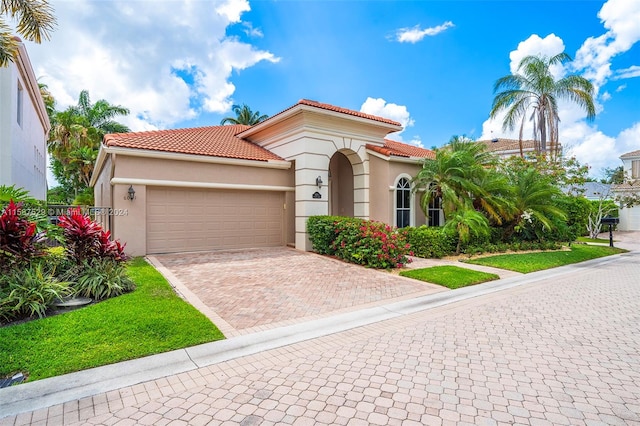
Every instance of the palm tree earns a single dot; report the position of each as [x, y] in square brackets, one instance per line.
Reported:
[533, 93]
[534, 197]
[35, 21]
[244, 115]
[461, 175]
[75, 138]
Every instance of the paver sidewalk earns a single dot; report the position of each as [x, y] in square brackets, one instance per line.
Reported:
[559, 351]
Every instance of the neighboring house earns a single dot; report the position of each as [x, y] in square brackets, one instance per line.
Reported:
[24, 126]
[509, 147]
[629, 216]
[227, 187]
[593, 191]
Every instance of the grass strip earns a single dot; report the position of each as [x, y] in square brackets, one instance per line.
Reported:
[150, 320]
[592, 240]
[531, 262]
[450, 276]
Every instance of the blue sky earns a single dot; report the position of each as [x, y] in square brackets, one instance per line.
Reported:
[429, 64]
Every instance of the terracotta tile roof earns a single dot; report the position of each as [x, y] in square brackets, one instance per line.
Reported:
[214, 141]
[633, 185]
[346, 111]
[631, 154]
[399, 149]
[500, 144]
[334, 108]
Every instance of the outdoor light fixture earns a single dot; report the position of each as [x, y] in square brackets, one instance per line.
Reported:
[131, 194]
[319, 182]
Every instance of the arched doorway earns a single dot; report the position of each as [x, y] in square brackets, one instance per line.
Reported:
[340, 186]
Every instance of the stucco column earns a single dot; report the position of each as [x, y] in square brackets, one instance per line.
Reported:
[308, 168]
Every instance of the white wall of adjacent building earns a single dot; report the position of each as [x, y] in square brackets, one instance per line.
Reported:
[24, 127]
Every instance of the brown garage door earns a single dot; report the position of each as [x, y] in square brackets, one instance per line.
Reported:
[180, 219]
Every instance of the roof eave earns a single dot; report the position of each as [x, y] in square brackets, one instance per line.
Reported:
[300, 108]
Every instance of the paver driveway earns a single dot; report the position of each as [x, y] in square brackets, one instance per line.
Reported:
[262, 288]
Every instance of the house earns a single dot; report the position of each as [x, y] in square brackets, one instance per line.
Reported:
[24, 126]
[629, 216]
[233, 187]
[593, 191]
[505, 148]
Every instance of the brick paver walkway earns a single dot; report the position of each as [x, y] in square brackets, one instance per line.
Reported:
[561, 352]
[262, 288]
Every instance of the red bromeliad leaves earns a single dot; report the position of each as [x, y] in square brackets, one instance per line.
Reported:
[86, 239]
[18, 237]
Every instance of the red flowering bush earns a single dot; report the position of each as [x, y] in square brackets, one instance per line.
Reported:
[19, 240]
[85, 239]
[373, 244]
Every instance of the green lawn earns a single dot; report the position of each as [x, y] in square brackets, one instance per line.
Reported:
[449, 276]
[592, 240]
[531, 262]
[150, 320]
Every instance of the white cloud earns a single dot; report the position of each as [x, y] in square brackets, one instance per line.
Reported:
[621, 88]
[415, 34]
[166, 61]
[606, 96]
[399, 113]
[620, 18]
[632, 71]
[549, 46]
[251, 31]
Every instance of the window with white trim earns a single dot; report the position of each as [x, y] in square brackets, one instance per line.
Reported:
[403, 203]
[435, 212]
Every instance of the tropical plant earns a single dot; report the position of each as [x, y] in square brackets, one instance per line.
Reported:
[244, 115]
[101, 279]
[85, 239]
[533, 93]
[35, 22]
[462, 176]
[467, 223]
[27, 292]
[534, 201]
[75, 139]
[19, 239]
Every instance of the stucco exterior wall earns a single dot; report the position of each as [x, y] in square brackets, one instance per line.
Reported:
[127, 219]
[311, 139]
[22, 138]
[385, 175]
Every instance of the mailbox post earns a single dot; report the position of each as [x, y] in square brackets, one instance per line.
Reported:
[608, 220]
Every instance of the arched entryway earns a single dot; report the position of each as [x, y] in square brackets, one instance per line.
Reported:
[340, 185]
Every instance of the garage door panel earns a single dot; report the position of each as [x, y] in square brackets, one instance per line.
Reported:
[194, 219]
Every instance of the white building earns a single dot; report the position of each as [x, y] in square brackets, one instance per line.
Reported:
[24, 126]
[629, 216]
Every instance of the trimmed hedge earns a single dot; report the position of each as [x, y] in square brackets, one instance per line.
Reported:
[431, 242]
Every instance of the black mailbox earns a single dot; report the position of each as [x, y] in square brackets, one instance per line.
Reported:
[608, 220]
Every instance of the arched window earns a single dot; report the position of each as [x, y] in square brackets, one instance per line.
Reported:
[403, 203]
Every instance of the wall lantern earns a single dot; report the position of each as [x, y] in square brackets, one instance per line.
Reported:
[131, 194]
[319, 182]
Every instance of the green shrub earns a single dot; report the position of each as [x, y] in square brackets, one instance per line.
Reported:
[27, 292]
[372, 244]
[101, 279]
[431, 242]
[322, 231]
[364, 242]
